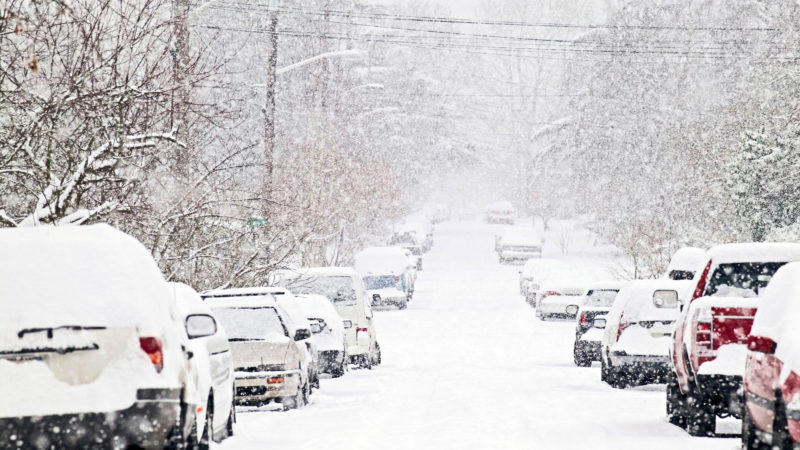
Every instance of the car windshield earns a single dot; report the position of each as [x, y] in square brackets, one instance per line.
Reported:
[600, 297]
[339, 290]
[741, 279]
[251, 324]
[382, 282]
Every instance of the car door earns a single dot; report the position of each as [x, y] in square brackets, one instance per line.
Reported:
[221, 362]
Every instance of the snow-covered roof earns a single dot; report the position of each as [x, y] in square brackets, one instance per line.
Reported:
[87, 275]
[755, 252]
[688, 258]
[521, 236]
[381, 260]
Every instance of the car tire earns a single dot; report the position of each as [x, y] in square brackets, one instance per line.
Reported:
[579, 357]
[377, 361]
[603, 370]
[676, 402]
[403, 305]
[208, 432]
[780, 427]
[295, 401]
[699, 422]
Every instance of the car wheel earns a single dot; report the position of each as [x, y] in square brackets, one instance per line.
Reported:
[579, 357]
[699, 422]
[676, 402]
[780, 427]
[208, 432]
[603, 370]
[296, 401]
[231, 421]
[377, 354]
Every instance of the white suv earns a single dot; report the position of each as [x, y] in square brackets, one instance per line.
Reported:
[90, 354]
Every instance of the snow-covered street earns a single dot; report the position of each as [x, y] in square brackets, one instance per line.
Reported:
[468, 365]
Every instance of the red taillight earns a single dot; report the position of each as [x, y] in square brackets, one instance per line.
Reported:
[582, 321]
[549, 293]
[397, 278]
[152, 346]
[760, 344]
[621, 327]
[360, 330]
[701, 283]
[274, 380]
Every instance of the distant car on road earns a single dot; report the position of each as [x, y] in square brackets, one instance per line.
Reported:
[519, 244]
[560, 299]
[409, 242]
[386, 272]
[501, 212]
[638, 332]
[269, 354]
[596, 303]
[344, 288]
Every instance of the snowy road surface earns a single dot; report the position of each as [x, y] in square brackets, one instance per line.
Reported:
[468, 366]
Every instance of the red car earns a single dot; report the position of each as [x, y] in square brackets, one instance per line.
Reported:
[708, 350]
[771, 380]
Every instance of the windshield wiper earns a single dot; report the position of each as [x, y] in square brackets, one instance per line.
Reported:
[50, 330]
[244, 339]
[60, 351]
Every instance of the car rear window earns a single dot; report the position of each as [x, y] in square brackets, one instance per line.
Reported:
[600, 297]
[339, 290]
[251, 323]
[741, 279]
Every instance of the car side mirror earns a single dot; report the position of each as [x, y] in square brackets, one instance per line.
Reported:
[376, 299]
[302, 334]
[200, 325]
[599, 322]
[666, 299]
[347, 324]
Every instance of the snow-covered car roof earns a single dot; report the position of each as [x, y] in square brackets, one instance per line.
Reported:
[502, 205]
[381, 260]
[754, 252]
[318, 271]
[531, 265]
[635, 299]
[188, 300]
[521, 236]
[318, 306]
[84, 276]
[779, 312]
[239, 298]
[688, 258]
[243, 292]
[606, 285]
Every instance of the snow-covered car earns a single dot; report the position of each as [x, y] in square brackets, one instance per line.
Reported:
[560, 299]
[708, 349]
[501, 212]
[637, 336]
[345, 289]
[289, 304]
[408, 241]
[772, 368]
[212, 363]
[330, 339]
[422, 227]
[386, 275]
[269, 355]
[90, 350]
[519, 244]
[596, 303]
[685, 263]
[536, 272]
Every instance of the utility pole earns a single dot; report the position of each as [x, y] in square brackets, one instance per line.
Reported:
[180, 105]
[269, 107]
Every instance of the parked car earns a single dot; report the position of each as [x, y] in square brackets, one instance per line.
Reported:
[537, 272]
[637, 336]
[685, 262]
[90, 354]
[408, 241]
[289, 304]
[595, 303]
[708, 345]
[772, 369]
[344, 287]
[560, 299]
[212, 363]
[331, 341]
[422, 227]
[386, 274]
[501, 212]
[269, 355]
[519, 244]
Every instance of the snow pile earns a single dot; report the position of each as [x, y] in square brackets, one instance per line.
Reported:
[381, 260]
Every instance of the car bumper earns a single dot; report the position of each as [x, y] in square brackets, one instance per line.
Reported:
[656, 366]
[588, 349]
[518, 256]
[145, 424]
[255, 387]
[723, 393]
